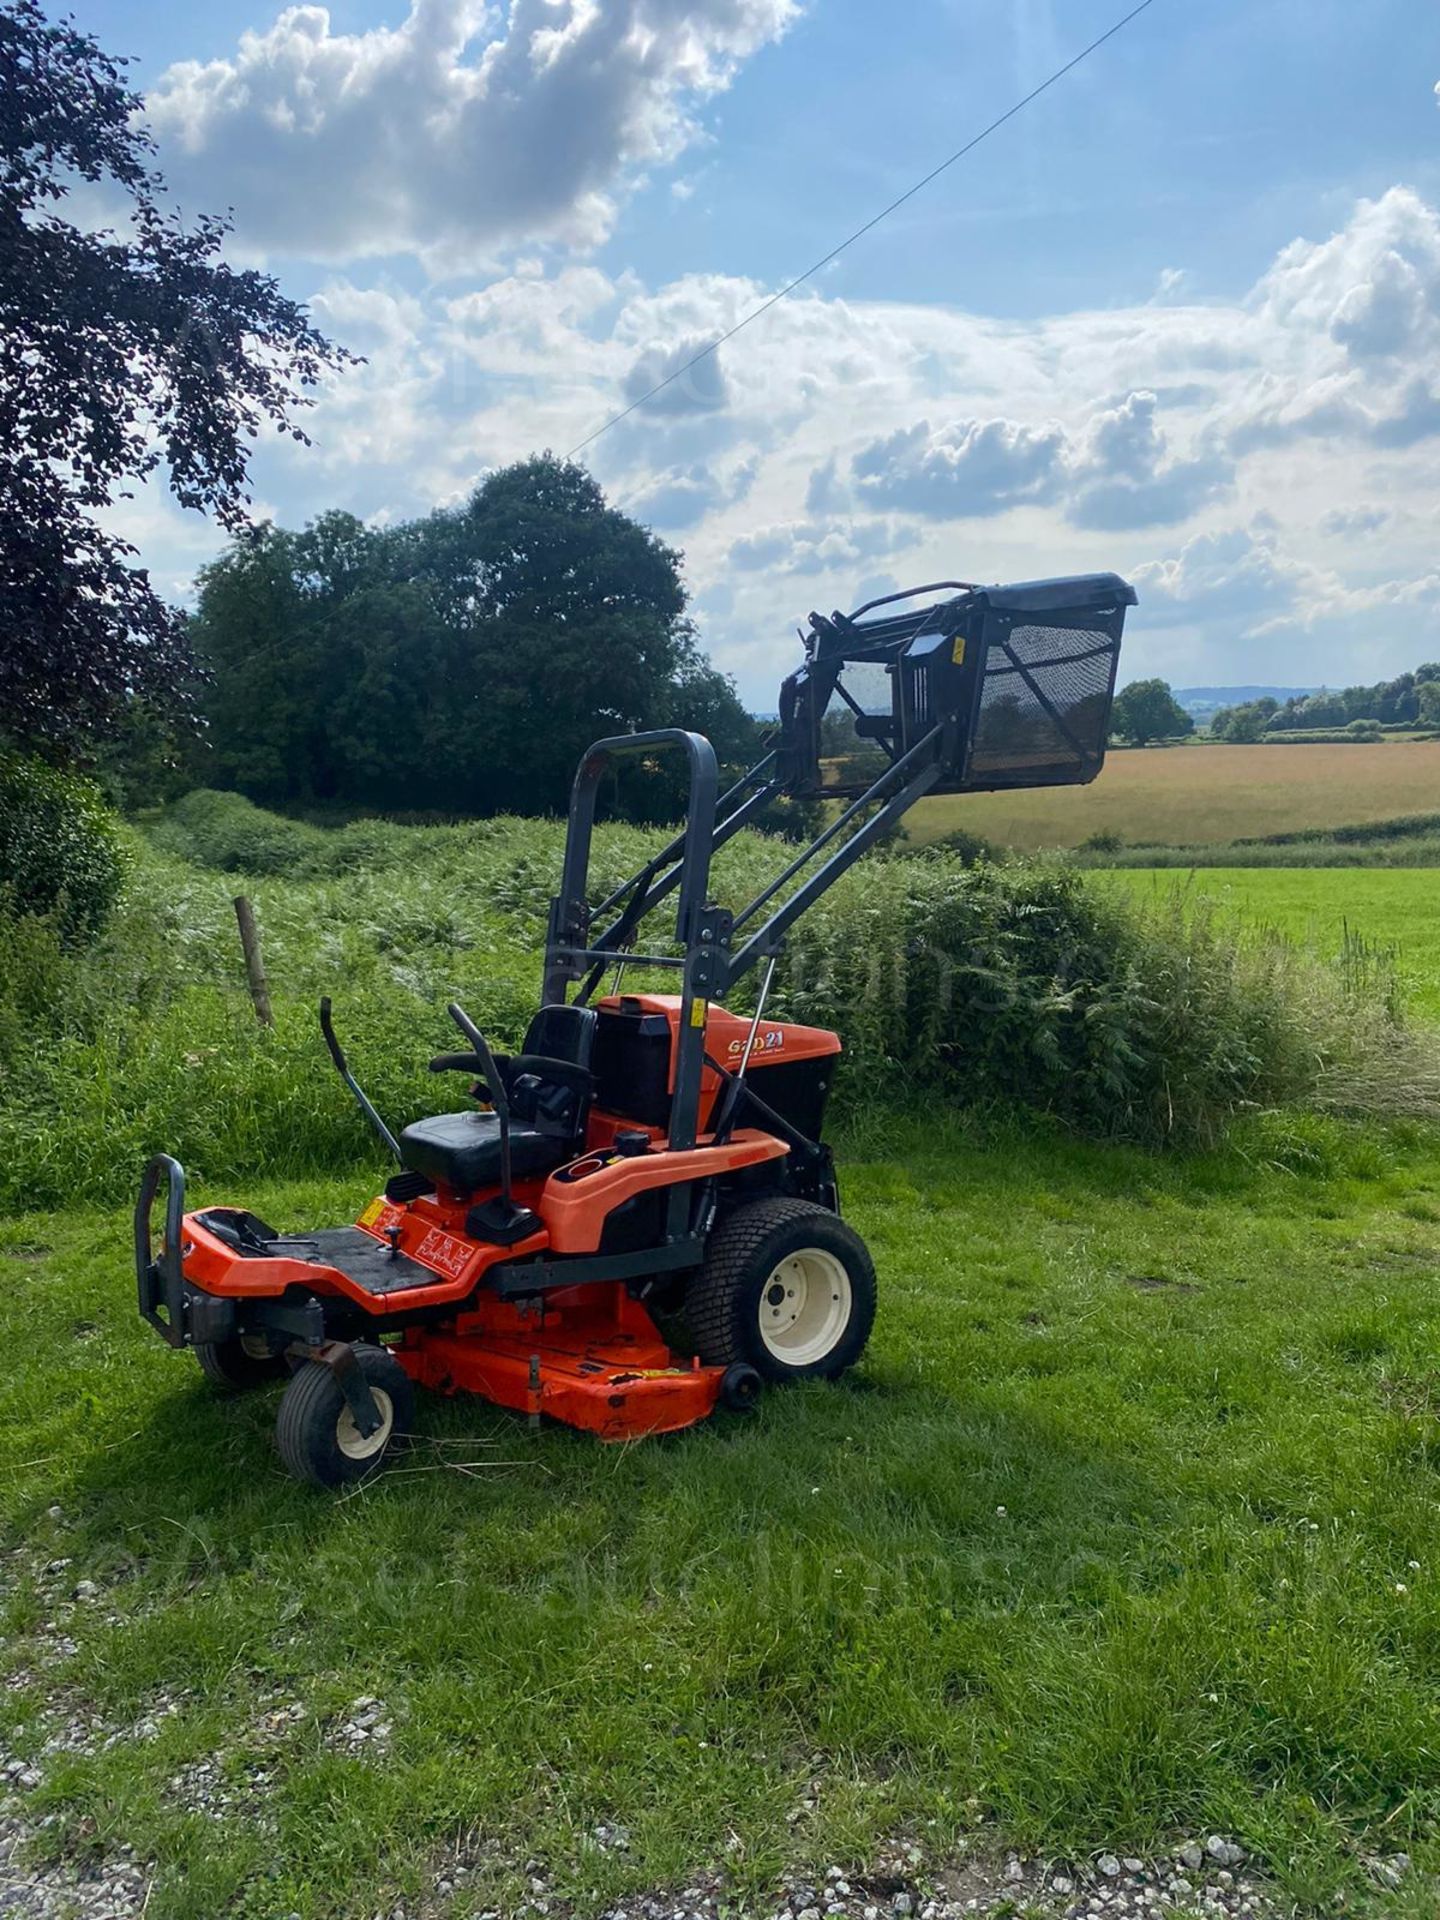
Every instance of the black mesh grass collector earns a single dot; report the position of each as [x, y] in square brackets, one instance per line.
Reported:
[1001, 686]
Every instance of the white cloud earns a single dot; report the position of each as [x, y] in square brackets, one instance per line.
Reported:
[972, 468]
[1248, 589]
[1118, 473]
[684, 389]
[1273, 488]
[455, 134]
[819, 546]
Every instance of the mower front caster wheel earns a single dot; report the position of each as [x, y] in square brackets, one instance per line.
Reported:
[242, 1361]
[317, 1434]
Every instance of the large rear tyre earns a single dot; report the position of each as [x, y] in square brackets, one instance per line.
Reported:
[787, 1288]
[240, 1362]
[317, 1434]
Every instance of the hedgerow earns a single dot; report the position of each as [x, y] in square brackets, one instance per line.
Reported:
[60, 847]
[1018, 986]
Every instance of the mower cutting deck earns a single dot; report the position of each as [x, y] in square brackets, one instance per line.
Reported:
[639, 1222]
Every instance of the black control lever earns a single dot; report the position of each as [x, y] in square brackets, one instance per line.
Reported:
[342, 1067]
[495, 1087]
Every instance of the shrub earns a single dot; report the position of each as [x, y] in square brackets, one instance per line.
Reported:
[60, 847]
[1021, 985]
[962, 845]
[227, 831]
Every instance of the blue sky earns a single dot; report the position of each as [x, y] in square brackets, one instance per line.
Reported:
[1181, 318]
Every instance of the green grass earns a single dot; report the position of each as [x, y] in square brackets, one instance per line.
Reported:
[1126, 1525]
[1316, 905]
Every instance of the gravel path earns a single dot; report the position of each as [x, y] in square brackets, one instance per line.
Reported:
[1199, 1880]
[1208, 1877]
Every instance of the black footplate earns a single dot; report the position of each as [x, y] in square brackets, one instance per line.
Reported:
[367, 1263]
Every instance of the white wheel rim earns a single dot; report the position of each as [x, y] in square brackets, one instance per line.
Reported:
[805, 1307]
[255, 1346]
[354, 1444]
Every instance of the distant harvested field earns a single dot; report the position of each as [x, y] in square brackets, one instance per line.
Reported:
[1181, 796]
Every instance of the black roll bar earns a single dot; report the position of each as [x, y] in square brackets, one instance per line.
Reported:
[950, 728]
[701, 931]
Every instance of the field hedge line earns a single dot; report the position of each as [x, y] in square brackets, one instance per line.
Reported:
[984, 986]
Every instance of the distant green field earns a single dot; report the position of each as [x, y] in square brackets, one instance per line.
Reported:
[1399, 906]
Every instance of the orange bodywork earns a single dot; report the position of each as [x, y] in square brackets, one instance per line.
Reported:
[589, 1354]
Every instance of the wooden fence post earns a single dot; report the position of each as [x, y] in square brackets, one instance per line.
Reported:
[254, 964]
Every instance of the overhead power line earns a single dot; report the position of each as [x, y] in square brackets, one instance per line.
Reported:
[860, 232]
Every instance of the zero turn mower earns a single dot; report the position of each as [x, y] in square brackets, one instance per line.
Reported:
[639, 1220]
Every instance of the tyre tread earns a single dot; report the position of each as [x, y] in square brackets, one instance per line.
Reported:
[734, 1246]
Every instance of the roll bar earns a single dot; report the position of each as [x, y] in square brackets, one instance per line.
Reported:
[991, 688]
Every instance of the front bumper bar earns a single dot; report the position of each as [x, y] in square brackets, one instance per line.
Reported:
[160, 1278]
[185, 1315]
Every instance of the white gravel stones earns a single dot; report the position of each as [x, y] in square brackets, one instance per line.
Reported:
[366, 1726]
[1223, 1851]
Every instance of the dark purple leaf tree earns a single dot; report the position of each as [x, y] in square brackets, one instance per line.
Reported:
[126, 350]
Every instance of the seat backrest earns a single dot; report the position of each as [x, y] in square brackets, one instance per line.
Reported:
[562, 1033]
[555, 1103]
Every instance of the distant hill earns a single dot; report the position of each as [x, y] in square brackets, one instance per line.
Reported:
[1201, 702]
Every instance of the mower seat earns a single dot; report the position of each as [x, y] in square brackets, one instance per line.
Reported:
[462, 1150]
[550, 1087]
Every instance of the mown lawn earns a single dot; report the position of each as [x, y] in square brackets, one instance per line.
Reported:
[1399, 908]
[1129, 1523]
[1193, 795]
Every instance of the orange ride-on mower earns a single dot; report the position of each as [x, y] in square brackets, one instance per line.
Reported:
[639, 1222]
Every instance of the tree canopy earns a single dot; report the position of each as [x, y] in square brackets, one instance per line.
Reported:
[123, 353]
[1147, 710]
[1410, 699]
[461, 662]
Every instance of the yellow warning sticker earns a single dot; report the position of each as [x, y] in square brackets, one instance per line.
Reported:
[373, 1212]
[957, 650]
[698, 1010]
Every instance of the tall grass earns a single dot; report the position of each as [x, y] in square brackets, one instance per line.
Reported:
[984, 987]
[1024, 985]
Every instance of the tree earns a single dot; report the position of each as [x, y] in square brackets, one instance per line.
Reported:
[1243, 725]
[1147, 710]
[122, 352]
[461, 662]
[1428, 695]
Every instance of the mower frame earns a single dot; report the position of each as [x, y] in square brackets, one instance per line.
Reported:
[511, 1291]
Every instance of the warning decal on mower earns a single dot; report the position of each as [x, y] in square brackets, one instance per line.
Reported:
[379, 1217]
[444, 1253]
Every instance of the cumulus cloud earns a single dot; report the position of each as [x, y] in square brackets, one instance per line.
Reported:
[691, 389]
[1117, 472]
[817, 546]
[843, 441]
[1244, 588]
[970, 469]
[1124, 475]
[451, 135]
[682, 496]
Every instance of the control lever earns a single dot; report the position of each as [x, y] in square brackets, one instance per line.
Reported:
[508, 1220]
[342, 1067]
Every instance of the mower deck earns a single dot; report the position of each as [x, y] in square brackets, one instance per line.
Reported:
[589, 1356]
